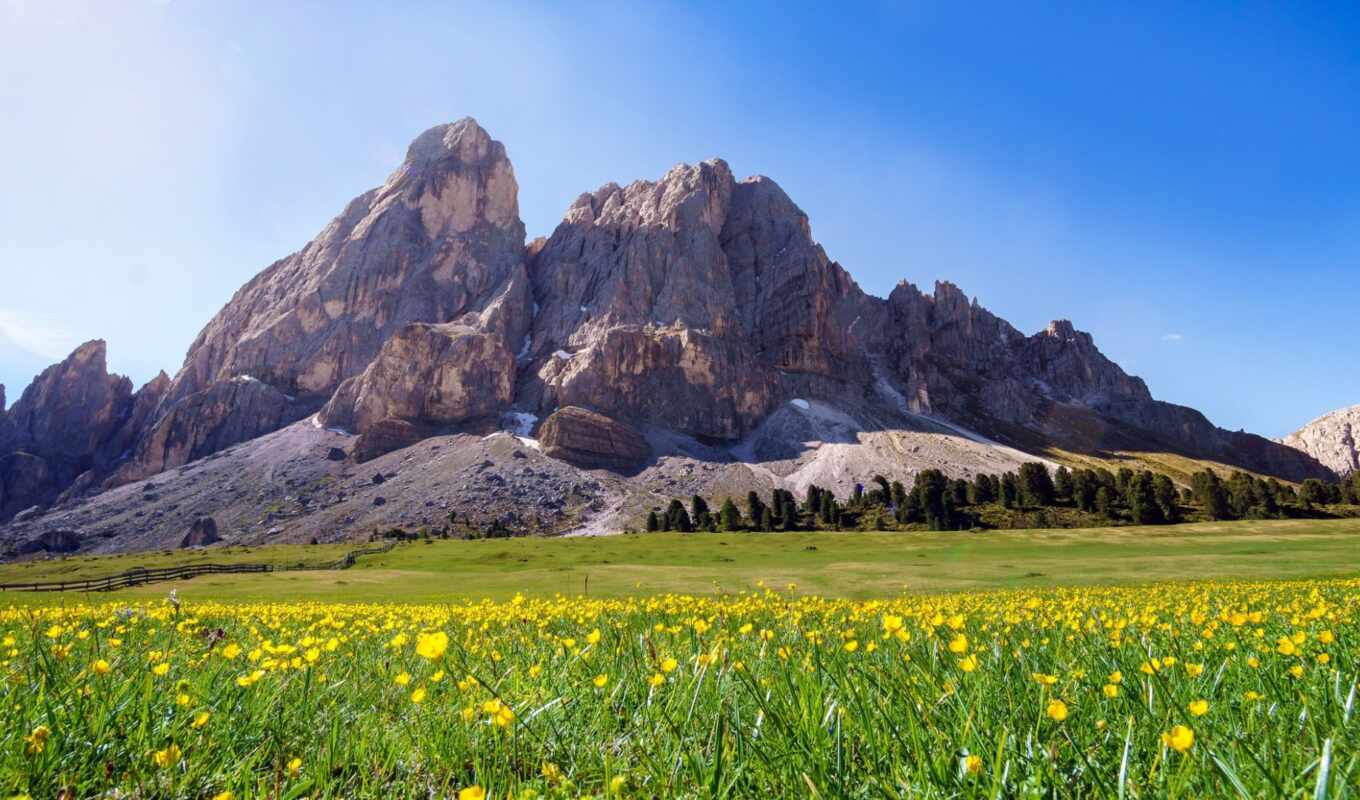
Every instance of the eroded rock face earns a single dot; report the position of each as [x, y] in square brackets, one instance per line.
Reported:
[591, 440]
[427, 246]
[221, 415]
[686, 379]
[441, 240]
[201, 534]
[685, 301]
[1333, 439]
[74, 419]
[72, 408]
[428, 373]
[434, 375]
[697, 303]
[26, 481]
[954, 358]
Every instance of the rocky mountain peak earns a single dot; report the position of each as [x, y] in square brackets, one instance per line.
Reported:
[459, 177]
[1062, 329]
[464, 141]
[440, 241]
[72, 406]
[158, 384]
[1333, 439]
[695, 289]
[696, 306]
[73, 419]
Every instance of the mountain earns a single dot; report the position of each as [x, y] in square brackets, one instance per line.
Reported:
[678, 336]
[1333, 439]
[439, 241]
[70, 426]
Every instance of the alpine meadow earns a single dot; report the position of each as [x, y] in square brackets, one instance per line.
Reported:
[515, 401]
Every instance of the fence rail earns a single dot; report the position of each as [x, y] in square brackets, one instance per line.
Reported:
[138, 576]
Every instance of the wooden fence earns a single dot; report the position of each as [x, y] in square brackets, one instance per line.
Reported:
[141, 575]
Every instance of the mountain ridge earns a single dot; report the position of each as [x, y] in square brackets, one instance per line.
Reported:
[695, 306]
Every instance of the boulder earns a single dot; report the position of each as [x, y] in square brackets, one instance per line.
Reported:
[201, 533]
[592, 440]
[385, 436]
[59, 541]
[29, 514]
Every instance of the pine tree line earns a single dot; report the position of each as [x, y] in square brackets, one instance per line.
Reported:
[938, 502]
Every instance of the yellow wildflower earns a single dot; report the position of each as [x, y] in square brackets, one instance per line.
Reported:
[432, 645]
[1179, 738]
[168, 757]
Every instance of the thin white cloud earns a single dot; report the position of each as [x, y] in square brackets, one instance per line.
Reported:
[1172, 337]
[39, 335]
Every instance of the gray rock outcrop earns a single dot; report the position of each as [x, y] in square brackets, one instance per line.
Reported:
[75, 418]
[201, 533]
[688, 302]
[1333, 439]
[439, 241]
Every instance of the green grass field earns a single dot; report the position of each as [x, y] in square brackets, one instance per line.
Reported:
[852, 565]
[908, 683]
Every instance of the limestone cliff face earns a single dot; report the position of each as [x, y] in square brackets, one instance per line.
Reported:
[956, 359]
[1333, 439]
[697, 303]
[75, 418]
[688, 302]
[72, 408]
[225, 413]
[441, 240]
[432, 374]
[426, 246]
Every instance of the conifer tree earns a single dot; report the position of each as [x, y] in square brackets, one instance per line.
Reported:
[731, 517]
[1036, 485]
[1105, 502]
[1062, 484]
[677, 517]
[1010, 491]
[699, 511]
[790, 514]
[753, 509]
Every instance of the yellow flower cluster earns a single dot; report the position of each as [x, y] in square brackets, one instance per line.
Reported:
[1166, 672]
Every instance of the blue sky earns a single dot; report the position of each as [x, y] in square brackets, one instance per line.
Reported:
[1180, 182]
